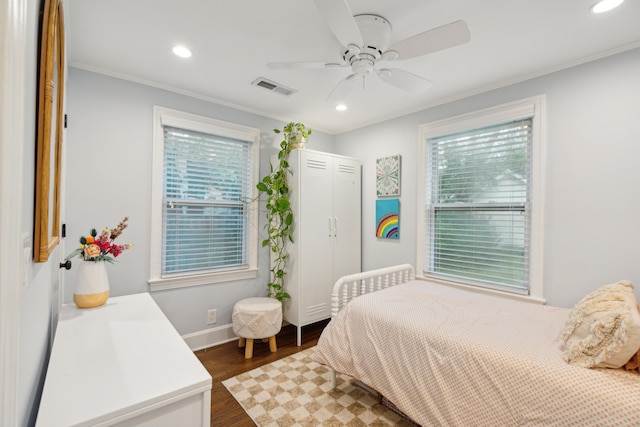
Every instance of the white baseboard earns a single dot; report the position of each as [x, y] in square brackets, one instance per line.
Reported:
[210, 337]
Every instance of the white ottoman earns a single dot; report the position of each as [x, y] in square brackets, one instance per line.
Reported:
[257, 318]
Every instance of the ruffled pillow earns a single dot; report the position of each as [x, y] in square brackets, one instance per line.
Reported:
[603, 329]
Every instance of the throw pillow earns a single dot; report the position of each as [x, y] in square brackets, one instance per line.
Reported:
[603, 329]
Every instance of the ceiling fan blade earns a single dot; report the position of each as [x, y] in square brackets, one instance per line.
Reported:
[340, 19]
[342, 89]
[404, 80]
[301, 65]
[450, 35]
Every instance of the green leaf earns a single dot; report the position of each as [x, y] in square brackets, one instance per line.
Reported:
[283, 204]
[261, 187]
[281, 296]
[73, 254]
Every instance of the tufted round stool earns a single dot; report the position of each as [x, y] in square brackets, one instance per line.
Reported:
[257, 318]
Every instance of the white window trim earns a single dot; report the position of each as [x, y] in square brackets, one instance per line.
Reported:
[529, 107]
[167, 117]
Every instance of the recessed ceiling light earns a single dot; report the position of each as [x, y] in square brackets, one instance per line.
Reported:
[605, 5]
[341, 107]
[182, 51]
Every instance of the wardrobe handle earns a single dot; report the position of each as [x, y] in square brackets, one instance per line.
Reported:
[329, 225]
[335, 226]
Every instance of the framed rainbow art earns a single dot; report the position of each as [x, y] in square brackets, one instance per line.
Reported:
[388, 219]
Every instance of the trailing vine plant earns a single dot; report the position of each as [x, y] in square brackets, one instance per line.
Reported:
[279, 224]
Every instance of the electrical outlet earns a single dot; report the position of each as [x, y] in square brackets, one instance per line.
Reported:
[211, 316]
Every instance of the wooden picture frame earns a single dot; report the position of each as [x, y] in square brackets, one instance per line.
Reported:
[49, 132]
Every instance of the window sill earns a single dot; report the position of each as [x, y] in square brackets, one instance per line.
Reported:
[479, 289]
[183, 281]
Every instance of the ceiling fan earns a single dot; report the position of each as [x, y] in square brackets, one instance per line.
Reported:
[365, 40]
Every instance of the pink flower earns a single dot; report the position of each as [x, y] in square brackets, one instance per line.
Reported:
[101, 247]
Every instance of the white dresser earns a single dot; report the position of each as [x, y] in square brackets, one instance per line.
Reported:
[123, 364]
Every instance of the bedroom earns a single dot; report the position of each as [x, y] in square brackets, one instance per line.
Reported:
[590, 226]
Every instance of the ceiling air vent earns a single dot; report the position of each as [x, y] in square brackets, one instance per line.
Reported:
[273, 86]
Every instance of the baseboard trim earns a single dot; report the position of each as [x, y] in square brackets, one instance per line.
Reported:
[210, 337]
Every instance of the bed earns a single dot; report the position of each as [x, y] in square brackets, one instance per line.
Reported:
[449, 356]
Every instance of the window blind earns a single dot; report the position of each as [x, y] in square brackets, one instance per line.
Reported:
[207, 182]
[478, 205]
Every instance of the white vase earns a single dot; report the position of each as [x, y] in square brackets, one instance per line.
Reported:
[92, 285]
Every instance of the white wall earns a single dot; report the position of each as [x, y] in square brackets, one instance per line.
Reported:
[36, 307]
[592, 199]
[108, 167]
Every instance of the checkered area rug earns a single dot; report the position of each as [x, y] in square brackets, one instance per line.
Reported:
[296, 391]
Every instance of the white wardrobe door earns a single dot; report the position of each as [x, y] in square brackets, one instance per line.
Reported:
[347, 217]
[315, 218]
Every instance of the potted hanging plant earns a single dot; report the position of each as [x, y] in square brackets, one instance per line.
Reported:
[279, 226]
[295, 134]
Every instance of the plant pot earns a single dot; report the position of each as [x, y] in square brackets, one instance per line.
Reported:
[92, 285]
[298, 141]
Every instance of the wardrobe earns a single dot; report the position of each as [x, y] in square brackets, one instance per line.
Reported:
[326, 202]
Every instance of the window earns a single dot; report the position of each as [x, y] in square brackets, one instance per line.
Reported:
[205, 173]
[482, 199]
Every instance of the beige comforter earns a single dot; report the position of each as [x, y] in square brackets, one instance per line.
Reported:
[447, 356]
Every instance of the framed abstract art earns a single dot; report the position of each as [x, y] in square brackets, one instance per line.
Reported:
[388, 176]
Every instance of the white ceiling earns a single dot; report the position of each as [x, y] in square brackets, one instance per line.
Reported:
[232, 40]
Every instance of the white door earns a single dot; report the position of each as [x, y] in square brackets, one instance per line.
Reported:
[315, 237]
[347, 217]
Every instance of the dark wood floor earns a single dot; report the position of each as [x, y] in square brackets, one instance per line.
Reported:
[227, 360]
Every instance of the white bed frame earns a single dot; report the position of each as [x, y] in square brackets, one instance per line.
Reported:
[349, 287]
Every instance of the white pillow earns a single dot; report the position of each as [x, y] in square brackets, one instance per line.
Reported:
[603, 329]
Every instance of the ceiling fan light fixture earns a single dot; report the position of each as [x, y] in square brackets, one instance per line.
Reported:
[384, 73]
[605, 5]
[182, 51]
[389, 55]
[341, 107]
[362, 66]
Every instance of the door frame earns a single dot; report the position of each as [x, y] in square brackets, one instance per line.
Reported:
[13, 25]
